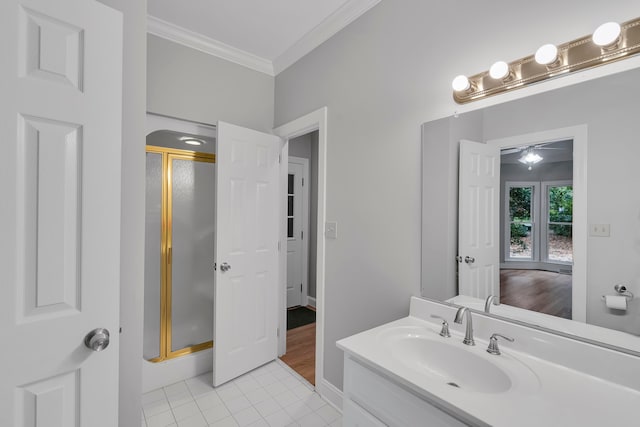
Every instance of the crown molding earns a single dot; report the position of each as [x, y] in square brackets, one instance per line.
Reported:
[197, 41]
[335, 22]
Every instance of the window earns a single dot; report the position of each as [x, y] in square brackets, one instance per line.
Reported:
[558, 222]
[539, 223]
[521, 225]
[290, 200]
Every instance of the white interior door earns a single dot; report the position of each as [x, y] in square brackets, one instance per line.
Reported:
[60, 127]
[478, 221]
[296, 230]
[248, 231]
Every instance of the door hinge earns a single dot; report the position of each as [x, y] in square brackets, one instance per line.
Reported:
[300, 287]
[303, 182]
[302, 235]
[279, 158]
[277, 332]
[215, 266]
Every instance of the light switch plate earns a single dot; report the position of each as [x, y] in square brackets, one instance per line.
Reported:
[331, 230]
[600, 230]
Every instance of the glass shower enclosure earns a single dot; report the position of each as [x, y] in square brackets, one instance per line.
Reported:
[179, 252]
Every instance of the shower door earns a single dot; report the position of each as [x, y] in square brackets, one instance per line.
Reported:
[179, 253]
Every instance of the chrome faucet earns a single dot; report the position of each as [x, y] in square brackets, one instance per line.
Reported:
[490, 299]
[468, 336]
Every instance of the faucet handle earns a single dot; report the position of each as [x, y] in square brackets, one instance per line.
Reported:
[493, 343]
[445, 326]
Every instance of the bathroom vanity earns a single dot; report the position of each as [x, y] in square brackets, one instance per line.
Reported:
[405, 373]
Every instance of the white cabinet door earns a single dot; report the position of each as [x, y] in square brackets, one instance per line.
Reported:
[60, 127]
[248, 230]
[478, 220]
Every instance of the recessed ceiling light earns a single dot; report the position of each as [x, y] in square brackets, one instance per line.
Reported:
[192, 141]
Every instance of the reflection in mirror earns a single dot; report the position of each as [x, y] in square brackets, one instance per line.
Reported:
[602, 248]
[536, 211]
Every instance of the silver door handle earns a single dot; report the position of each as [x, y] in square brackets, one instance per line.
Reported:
[224, 267]
[469, 259]
[97, 340]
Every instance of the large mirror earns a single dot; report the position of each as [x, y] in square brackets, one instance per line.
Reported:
[572, 217]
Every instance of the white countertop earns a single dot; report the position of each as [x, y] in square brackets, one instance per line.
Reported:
[561, 396]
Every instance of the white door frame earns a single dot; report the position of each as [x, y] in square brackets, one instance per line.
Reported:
[304, 226]
[316, 120]
[580, 228]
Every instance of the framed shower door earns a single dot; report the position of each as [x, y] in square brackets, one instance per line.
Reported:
[180, 252]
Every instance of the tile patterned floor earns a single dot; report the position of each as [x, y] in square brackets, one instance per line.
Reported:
[270, 396]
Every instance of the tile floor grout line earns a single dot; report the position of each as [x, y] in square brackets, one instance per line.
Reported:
[190, 390]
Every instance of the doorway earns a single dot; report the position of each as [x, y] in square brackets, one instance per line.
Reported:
[301, 230]
[578, 225]
[536, 234]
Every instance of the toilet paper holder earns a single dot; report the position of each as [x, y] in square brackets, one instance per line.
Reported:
[622, 290]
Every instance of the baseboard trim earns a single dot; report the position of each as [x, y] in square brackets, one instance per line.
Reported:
[311, 301]
[330, 393]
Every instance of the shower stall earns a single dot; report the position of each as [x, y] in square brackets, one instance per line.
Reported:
[179, 251]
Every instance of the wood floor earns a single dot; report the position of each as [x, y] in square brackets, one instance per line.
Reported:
[542, 291]
[301, 351]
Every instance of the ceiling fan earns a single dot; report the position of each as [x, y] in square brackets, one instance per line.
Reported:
[529, 148]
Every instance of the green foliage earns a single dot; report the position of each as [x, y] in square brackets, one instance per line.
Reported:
[561, 209]
[520, 203]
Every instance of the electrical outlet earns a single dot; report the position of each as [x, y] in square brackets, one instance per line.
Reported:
[600, 230]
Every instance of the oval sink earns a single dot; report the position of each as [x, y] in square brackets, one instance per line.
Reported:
[453, 363]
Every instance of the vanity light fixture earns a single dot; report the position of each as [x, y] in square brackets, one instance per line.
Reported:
[610, 42]
[460, 83]
[499, 70]
[607, 35]
[547, 54]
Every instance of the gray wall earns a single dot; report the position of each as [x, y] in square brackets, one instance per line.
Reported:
[188, 84]
[306, 147]
[381, 78]
[132, 218]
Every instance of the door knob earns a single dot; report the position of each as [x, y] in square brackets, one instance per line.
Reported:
[469, 259]
[97, 340]
[224, 267]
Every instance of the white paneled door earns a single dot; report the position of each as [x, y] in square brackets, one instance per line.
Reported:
[247, 234]
[297, 236]
[478, 220]
[60, 115]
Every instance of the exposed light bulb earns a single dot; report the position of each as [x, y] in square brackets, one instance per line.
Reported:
[460, 83]
[499, 70]
[546, 54]
[606, 34]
